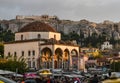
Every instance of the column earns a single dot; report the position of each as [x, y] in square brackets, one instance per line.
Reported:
[62, 62]
[78, 61]
[70, 63]
[53, 53]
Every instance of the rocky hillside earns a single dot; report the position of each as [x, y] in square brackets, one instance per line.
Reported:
[84, 27]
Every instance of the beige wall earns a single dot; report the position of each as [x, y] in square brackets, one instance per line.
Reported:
[19, 47]
[30, 46]
[58, 35]
[34, 35]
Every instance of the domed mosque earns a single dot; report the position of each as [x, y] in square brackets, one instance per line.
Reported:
[37, 27]
[41, 47]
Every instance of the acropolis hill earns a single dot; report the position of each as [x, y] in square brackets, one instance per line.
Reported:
[67, 26]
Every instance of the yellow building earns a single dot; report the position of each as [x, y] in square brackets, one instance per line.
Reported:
[90, 51]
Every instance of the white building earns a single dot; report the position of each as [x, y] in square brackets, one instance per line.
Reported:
[106, 45]
[41, 46]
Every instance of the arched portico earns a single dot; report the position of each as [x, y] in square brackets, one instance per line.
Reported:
[74, 59]
[66, 59]
[46, 56]
[58, 58]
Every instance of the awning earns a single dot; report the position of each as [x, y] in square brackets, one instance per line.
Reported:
[6, 72]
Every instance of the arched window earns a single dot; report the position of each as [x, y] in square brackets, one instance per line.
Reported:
[33, 52]
[21, 37]
[15, 54]
[22, 53]
[39, 36]
[29, 53]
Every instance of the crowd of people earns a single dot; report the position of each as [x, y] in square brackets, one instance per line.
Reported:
[95, 78]
[50, 79]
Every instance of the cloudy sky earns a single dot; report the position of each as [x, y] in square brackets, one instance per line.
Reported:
[92, 10]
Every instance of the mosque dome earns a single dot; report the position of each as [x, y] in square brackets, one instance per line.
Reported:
[37, 26]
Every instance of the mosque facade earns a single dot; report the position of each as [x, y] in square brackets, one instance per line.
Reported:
[41, 47]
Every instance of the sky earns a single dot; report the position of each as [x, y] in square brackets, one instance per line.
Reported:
[92, 10]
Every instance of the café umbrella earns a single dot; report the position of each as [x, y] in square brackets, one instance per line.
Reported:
[45, 72]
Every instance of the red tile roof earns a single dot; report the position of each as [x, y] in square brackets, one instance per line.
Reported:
[36, 27]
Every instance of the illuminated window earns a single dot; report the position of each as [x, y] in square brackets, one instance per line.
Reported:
[54, 36]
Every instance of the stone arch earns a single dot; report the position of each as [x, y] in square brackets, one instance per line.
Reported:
[74, 52]
[74, 58]
[66, 59]
[58, 58]
[46, 57]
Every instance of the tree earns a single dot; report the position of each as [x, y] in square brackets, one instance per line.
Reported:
[12, 65]
[64, 36]
[1, 50]
[74, 36]
[8, 36]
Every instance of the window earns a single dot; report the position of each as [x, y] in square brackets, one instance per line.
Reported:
[29, 64]
[22, 53]
[29, 53]
[15, 54]
[54, 36]
[39, 36]
[15, 57]
[21, 37]
[8, 53]
[33, 53]
[33, 64]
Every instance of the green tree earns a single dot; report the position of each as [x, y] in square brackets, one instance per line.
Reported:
[64, 36]
[1, 50]
[12, 65]
[74, 36]
[8, 36]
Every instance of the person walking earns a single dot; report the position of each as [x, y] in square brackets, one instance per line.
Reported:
[95, 79]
